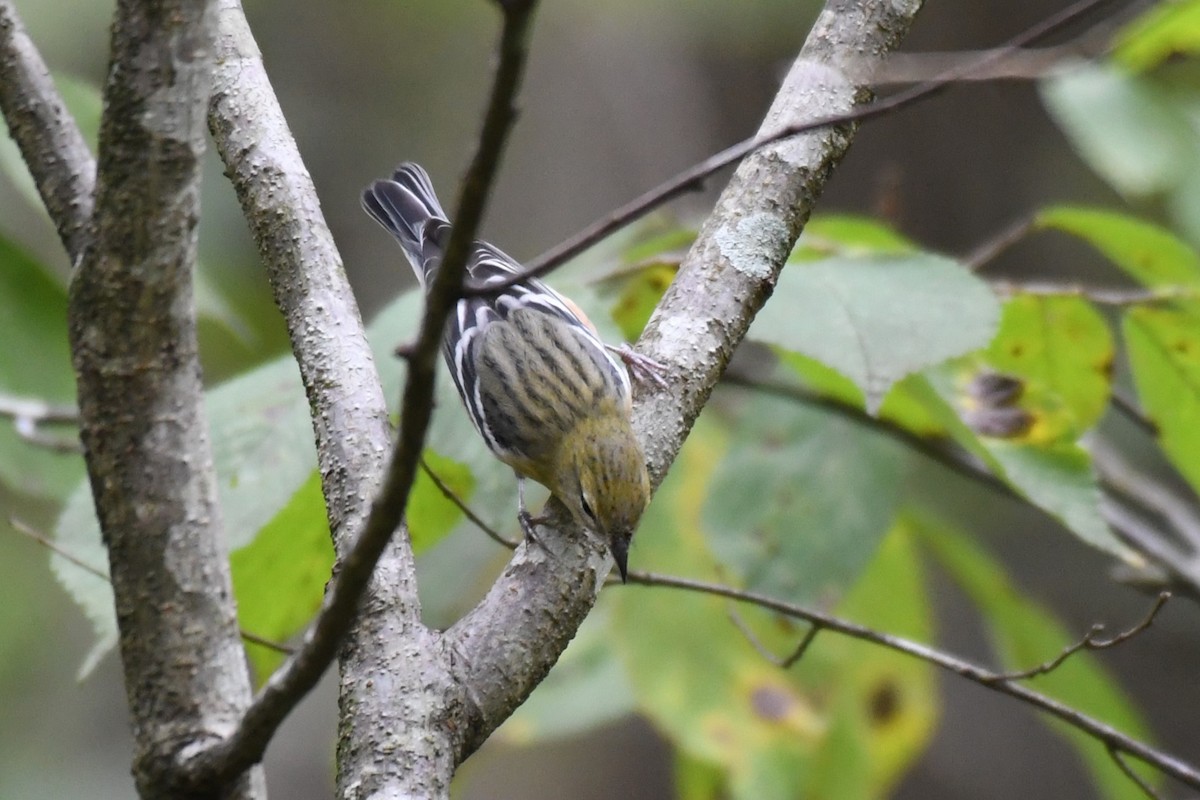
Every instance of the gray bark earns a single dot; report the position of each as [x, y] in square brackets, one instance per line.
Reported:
[133, 341]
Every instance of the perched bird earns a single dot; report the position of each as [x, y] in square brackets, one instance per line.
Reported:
[543, 390]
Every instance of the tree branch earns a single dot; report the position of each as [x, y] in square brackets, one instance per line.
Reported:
[1090, 641]
[1113, 739]
[27, 530]
[855, 71]
[503, 648]
[50, 142]
[393, 623]
[28, 415]
[280, 203]
[133, 341]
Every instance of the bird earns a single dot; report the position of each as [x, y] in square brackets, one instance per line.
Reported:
[548, 396]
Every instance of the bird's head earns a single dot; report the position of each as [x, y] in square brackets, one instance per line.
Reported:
[602, 480]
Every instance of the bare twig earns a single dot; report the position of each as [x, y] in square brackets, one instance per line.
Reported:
[783, 663]
[990, 250]
[38, 411]
[693, 177]
[25, 529]
[1123, 765]
[941, 451]
[1112, 738]
[1097, 294]
[261, 641]
[1121, 475]
[49, 139]
[1181, 570]
[1090, 641]
[1128, 406]
[29, 414]
[475, 519]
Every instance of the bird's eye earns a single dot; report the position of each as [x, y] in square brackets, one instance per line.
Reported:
[587, 508]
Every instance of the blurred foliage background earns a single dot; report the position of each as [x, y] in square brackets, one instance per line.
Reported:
[619, 97]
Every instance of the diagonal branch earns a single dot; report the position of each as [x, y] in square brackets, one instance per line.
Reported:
[503, 647]
[50, 142]
[391, 595]
[1090, 641]
[859, 72]
[998, 682]
[280, 203]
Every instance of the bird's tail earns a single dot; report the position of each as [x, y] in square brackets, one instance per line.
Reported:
[408, 208]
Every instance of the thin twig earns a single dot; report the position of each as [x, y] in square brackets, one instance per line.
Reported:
[785, 662]
[254, 638]
[1090, 641]
[941, 451]
[1121, 475]
[50, 141]
[1124, 403]
[300, 673]
[453, 497]
[25, 529]
[1124, 766]
[693, 177]
[1097, 294]
[28, 414]
[39, 411]
[1169, 765]
[1181, 569]
[1013, 64]
[990, 250]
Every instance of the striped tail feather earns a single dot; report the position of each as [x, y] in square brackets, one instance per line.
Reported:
[408, 208]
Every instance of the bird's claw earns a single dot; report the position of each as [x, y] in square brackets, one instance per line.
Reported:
[643, 369]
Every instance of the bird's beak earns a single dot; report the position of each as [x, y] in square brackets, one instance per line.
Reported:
[620, 553]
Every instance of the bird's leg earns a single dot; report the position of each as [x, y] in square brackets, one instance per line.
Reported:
[643, 369]
[527, 520]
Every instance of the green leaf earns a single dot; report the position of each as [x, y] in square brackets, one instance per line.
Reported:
[1059, 480]
[877, 319]
[1164, 31]
[845, 234]
[1145, 135]
[262, 445]
[1026, 635]
[719, 702]
[1164, 353]
[912, 404]
[1149, 254]
[1062, 351]
[639, 296]
[799, 503]
[698, 780]
[279, 578]
[889, 704]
